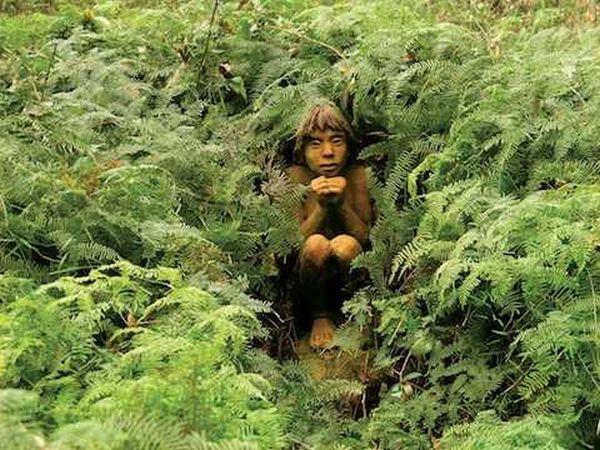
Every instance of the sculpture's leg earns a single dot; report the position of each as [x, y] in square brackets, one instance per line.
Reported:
[345, 248]
[316, 279]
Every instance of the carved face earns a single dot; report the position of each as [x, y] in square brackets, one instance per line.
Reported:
[326, 152]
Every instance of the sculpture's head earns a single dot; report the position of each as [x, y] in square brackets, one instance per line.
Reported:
[322, 140]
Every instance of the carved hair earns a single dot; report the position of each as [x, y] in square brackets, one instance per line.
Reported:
[322, 117]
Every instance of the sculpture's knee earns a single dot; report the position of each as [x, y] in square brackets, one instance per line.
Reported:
[345, 247]
[316, 250]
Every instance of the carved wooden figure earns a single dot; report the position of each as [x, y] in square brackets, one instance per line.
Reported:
[336, 216]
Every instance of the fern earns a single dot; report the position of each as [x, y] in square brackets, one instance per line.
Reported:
[142, 198]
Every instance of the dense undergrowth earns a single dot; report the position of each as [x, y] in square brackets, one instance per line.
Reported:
[144, 218]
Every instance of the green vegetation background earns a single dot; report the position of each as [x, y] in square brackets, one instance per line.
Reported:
[144, 219]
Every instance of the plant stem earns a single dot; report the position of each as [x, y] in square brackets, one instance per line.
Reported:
[208, 36]
[50, 66]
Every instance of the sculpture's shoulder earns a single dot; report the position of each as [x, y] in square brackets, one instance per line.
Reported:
[299, 174]
[358, 191]
[356, 175]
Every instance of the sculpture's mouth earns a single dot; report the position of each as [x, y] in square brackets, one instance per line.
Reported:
[328, 168]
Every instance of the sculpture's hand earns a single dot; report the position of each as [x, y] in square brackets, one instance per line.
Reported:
[329, 191]
[337, 186]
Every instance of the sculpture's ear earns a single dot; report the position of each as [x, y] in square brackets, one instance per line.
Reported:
[298, 152]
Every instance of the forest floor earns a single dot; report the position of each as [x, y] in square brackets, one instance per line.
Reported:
[332, 362]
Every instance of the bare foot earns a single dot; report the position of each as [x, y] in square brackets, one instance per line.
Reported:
[322, 332]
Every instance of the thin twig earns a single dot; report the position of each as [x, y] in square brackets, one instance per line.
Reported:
[338, 53]
[405, 364]
[208, 36]
[73, 269]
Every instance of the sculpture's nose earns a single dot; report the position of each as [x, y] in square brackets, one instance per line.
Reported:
[327, 150]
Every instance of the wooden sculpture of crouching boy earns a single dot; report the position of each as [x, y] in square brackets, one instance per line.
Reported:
[335, 217]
